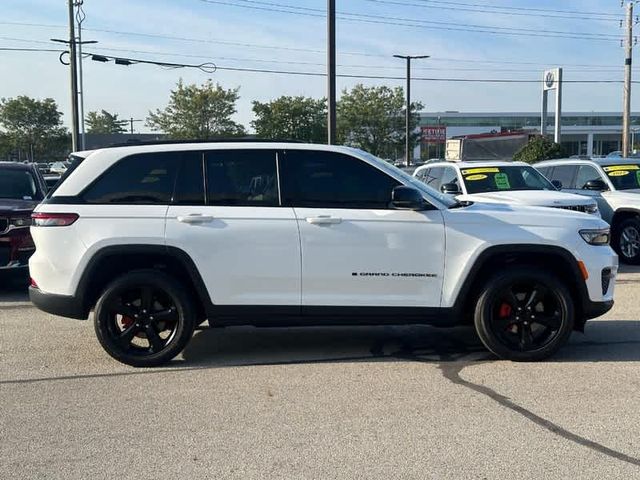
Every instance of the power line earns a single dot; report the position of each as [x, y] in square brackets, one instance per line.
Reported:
[10, 49]
[491, 9]
[385, 20]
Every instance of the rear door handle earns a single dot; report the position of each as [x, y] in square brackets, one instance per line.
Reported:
[323, 220]
[195, 218]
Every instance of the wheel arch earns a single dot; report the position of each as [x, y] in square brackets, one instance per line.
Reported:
[551, 258]
[622, 214]
[112, 261]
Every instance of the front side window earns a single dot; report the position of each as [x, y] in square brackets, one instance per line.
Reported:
[624, 177]
[586, 173]
[141, 179]
[242, 178]
[449, 175]
[333, 180]
[503, 178]
[18, 185]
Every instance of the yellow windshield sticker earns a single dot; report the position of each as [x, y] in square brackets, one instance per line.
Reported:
[615, 168]
[619, 173]
[473, 171]
[476, 177]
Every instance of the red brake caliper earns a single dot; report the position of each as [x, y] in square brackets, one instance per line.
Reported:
[126, 321]
[505, 312]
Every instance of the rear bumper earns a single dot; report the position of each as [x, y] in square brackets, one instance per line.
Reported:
[63, 305]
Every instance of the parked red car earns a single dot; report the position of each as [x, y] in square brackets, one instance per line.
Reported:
[21, 189]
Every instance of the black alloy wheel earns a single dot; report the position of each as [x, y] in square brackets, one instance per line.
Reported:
[144, 318]
[525, 314]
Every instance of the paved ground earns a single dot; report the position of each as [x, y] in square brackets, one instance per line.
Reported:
[319, 403]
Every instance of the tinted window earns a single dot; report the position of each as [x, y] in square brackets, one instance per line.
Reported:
[242, 178]
[565, 174]
[586, 173]
[624, 177]
[146, 178]
[190, 183]
[493, 179]
[333, 180]
[18, 184]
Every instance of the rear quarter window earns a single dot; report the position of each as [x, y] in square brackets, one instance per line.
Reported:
[141, 179]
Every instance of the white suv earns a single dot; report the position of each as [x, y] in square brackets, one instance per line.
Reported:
[513, 183]
[155, 239]
[615, 184]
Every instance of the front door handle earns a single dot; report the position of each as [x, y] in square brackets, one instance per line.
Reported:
[323, 220]
[195, 218]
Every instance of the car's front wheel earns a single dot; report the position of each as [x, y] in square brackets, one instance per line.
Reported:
[144, 318]
[524, 314]
[626, 241]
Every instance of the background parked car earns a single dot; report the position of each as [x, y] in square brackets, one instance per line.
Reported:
[21, 189]
[615, 184]
[513, 183]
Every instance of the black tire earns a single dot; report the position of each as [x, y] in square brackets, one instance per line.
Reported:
[626, 240]
[524, 314]
[136, 305]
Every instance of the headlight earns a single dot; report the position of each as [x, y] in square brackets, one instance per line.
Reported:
[596, 237]
[20, 222]
[591, 209]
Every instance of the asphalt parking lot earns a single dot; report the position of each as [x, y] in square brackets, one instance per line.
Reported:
[383, 402]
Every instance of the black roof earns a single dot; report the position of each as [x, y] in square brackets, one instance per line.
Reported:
[17, 166]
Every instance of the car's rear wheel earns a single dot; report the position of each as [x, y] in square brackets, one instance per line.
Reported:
[144, 318]
[524, 314]
[626, 241]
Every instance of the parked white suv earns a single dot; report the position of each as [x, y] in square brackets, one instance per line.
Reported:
[615, 184]
[155, 239]
[513, 183]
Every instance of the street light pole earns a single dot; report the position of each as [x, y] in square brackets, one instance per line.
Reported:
[407, 126]
[74, 79]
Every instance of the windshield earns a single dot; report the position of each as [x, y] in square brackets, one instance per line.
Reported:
[409, 180]
[18, 185]
[508, 178]
[624, 177]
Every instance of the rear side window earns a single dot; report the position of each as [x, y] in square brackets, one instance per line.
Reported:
[565, 174]
[333, 180]
[242, 178]
[142, 179]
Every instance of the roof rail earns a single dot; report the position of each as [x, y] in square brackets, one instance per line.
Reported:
[133, 142]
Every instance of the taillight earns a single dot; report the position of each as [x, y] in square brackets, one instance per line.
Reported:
[41, 219]
[33, 283]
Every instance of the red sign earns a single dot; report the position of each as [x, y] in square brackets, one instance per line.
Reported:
[435, 134]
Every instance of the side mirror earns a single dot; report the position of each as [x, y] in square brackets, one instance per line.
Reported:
[557, 184]
[407, 198]
[450, 188]
[597, 185]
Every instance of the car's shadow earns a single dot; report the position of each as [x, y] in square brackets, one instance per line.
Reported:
[604, 341]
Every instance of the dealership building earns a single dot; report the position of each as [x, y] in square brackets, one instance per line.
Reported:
[583, 133]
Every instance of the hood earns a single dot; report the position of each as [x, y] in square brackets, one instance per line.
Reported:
[623, 198]
[492, 215]
[12, 206]
[540, 198]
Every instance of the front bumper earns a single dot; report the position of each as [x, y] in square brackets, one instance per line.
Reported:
[63, 305]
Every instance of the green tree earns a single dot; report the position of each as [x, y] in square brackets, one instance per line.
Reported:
[372, 118]
[537, 149]
[104, 122]
[198, 112]
[31, 128]
[291, 118]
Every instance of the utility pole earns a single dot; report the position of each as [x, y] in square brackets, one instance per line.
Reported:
[626, 115]
[131, 120]
[74, 79]
[331, 71]
[407, 118]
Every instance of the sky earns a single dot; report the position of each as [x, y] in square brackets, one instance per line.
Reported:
[466, 39]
